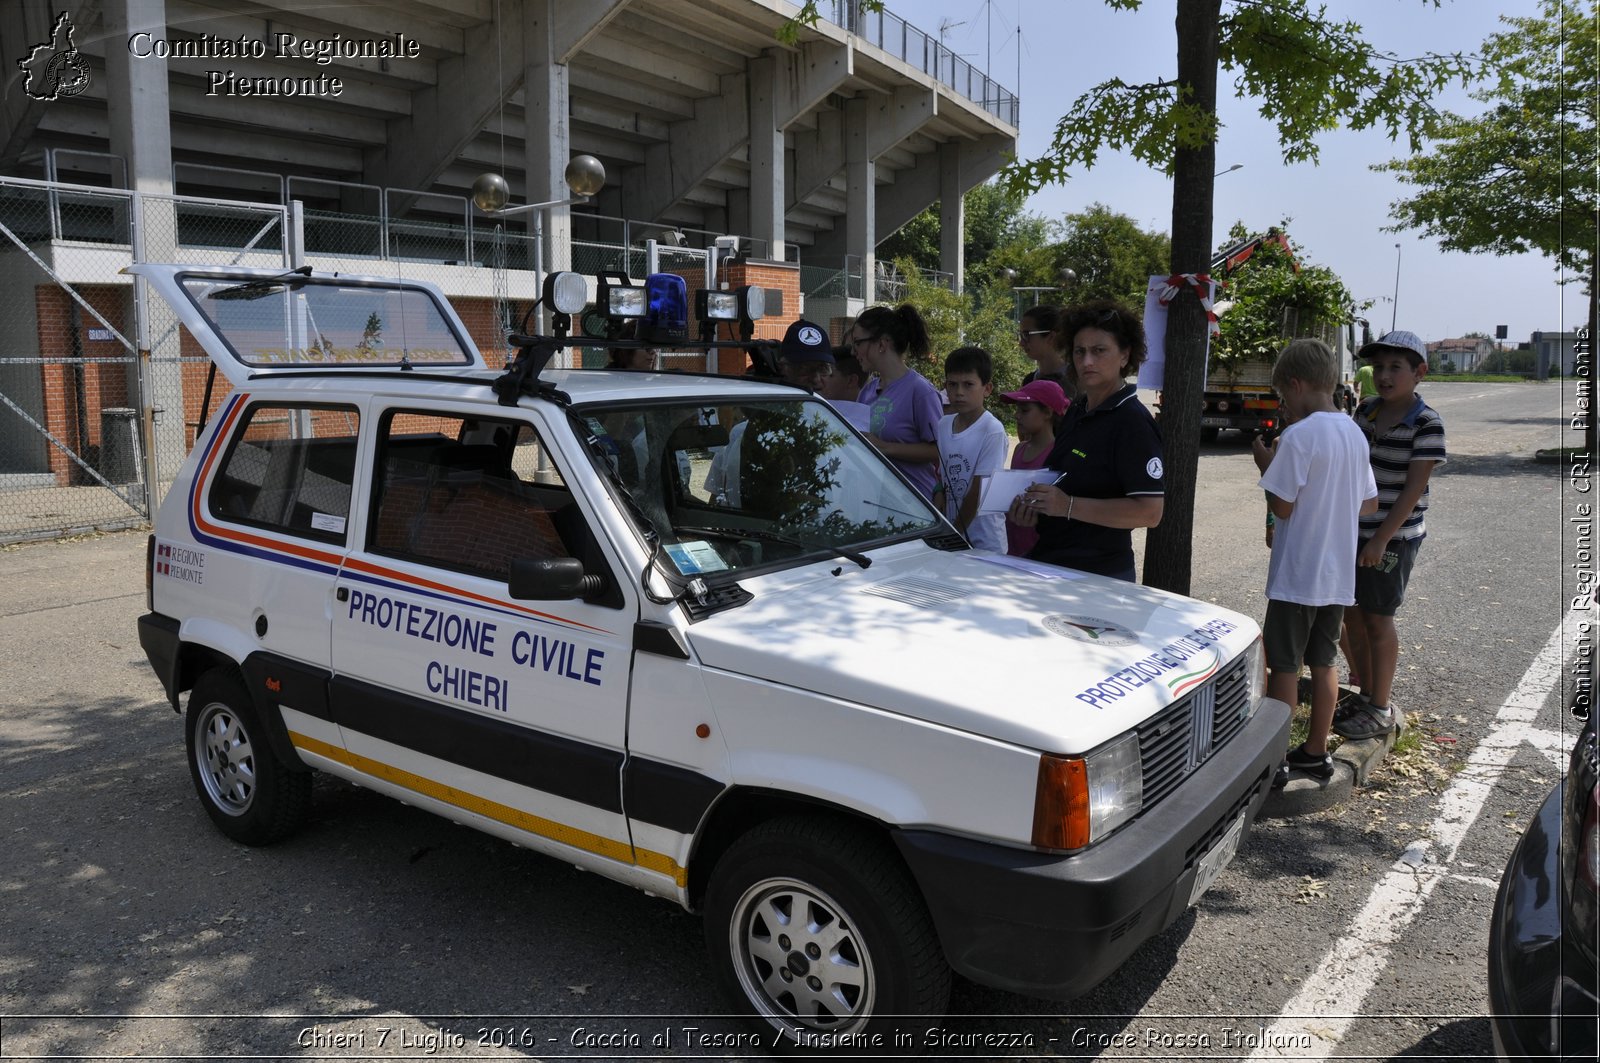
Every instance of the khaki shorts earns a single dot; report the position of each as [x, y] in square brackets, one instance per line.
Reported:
[1294, 634]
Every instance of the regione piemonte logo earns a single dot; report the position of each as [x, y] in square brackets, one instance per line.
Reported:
[55, 69]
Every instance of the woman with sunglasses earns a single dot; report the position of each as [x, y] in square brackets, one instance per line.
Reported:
[905, 407]
[1107, 452]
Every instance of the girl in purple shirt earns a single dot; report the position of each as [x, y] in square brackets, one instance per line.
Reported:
[905, 407]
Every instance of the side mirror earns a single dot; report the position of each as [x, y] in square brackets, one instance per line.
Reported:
[551, 579]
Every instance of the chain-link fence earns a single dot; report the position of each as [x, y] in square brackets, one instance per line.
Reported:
[90, 431]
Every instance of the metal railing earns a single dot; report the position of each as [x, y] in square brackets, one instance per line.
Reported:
[905, 42]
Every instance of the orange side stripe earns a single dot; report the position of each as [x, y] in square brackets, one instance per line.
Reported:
[546, 828]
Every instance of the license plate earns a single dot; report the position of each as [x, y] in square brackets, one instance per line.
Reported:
[1216, 858]
[1213, 422]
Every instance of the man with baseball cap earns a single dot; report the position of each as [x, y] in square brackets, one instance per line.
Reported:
[805, 360]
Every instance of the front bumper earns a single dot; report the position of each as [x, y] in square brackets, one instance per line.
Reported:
[1056, 926]
[1542, 988]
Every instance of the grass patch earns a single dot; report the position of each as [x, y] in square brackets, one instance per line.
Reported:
[1481, 378]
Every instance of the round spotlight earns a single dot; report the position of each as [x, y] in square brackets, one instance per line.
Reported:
[490, 192]
[585, 175]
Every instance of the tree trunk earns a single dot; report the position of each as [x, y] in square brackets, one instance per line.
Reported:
[1169, 548]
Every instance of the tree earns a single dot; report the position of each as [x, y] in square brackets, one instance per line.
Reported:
[1520, 176]
[1273, 297]
[1309, 74]
[995, 220]
[1111, 255]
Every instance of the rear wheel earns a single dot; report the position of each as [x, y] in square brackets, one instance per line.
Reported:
[251, 795]
[1209, 435]
[817, 931]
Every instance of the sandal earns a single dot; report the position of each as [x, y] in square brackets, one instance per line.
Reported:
[1365, 721]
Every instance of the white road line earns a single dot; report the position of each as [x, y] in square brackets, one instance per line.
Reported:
[1316, 1019]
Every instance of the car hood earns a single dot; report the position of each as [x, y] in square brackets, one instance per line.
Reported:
[1048, 658]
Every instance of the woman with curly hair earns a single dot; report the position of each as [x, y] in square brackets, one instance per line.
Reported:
[1107, 451]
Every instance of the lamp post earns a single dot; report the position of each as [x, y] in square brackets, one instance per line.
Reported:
[585, 176]
[1235, 166]
[1395, 315]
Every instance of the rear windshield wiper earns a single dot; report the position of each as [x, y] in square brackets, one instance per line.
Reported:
[775, 537]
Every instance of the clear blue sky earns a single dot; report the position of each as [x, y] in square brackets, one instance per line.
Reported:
[1337, 208]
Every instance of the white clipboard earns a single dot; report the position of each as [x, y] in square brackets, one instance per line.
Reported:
[1002, 486]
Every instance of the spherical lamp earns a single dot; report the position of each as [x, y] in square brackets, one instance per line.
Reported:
[585, 175]
[490, 192]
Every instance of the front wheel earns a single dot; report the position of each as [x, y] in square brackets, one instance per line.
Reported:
[817, 931]
[251, 795]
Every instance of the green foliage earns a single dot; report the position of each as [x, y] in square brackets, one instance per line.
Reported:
[999, 233]
[1520, 176]
[1111, 255]
[980, 317]
[1309, 74]
[1520, 363]
[1273, 303]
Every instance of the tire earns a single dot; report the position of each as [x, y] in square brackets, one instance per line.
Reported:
[251, 795]
[866, 956]
[1209, 435]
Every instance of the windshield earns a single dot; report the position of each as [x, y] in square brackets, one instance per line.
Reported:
[289, 321]
[741, 486]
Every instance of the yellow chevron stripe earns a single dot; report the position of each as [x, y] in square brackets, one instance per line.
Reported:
[545, 828]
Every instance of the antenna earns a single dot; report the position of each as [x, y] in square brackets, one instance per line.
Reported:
[946, 25]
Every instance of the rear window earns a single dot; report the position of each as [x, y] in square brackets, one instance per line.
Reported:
[289, 469]
[280, 322]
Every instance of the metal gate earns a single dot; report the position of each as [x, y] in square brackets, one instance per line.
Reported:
[100, 388]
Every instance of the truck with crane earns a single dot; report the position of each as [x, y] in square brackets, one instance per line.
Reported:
[1238, 393]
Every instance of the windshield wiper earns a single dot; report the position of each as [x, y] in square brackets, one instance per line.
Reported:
[775, 537]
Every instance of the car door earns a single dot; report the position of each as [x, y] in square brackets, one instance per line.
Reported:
[446, 688]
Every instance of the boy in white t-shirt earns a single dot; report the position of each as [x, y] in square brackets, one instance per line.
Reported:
[972, 445]
[1318, 481]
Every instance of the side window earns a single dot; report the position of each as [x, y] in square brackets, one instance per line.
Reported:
[289, 468]
[469, 494]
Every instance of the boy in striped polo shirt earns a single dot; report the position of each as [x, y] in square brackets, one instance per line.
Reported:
[1407, 440]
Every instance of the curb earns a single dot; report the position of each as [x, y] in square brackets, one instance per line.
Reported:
[1353, 763]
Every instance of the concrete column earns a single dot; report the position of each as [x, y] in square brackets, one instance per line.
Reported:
[136, 107]
[861, 205]
[952, 216]
[548, 144]
[766, 157]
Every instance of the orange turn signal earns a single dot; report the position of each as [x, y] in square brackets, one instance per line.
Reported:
[1061, 803]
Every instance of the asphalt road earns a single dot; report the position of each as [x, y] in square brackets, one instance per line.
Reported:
[132, 928]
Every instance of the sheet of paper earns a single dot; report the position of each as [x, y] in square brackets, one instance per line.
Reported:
[1003, 485]
[1035, 568]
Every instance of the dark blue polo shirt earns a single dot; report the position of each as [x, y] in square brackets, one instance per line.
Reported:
[1112, 451]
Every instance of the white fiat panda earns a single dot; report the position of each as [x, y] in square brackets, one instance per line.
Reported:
[806, 708]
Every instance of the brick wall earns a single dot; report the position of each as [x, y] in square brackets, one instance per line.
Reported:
[102, 385]
[783, 276]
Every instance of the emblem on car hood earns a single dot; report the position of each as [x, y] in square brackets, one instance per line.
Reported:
[1089, 629]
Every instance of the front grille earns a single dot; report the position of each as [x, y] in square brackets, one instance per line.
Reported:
[1183, 736]
[1220, 827]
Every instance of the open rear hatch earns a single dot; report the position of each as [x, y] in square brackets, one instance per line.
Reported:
[257, 322]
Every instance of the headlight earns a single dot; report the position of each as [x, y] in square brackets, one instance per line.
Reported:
[625, 302]
[1255, 669]
[716, 306]
[1080, 800]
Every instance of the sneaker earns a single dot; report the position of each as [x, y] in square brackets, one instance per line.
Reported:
[1348, 705]
[1364, 721]
[1316, 765]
